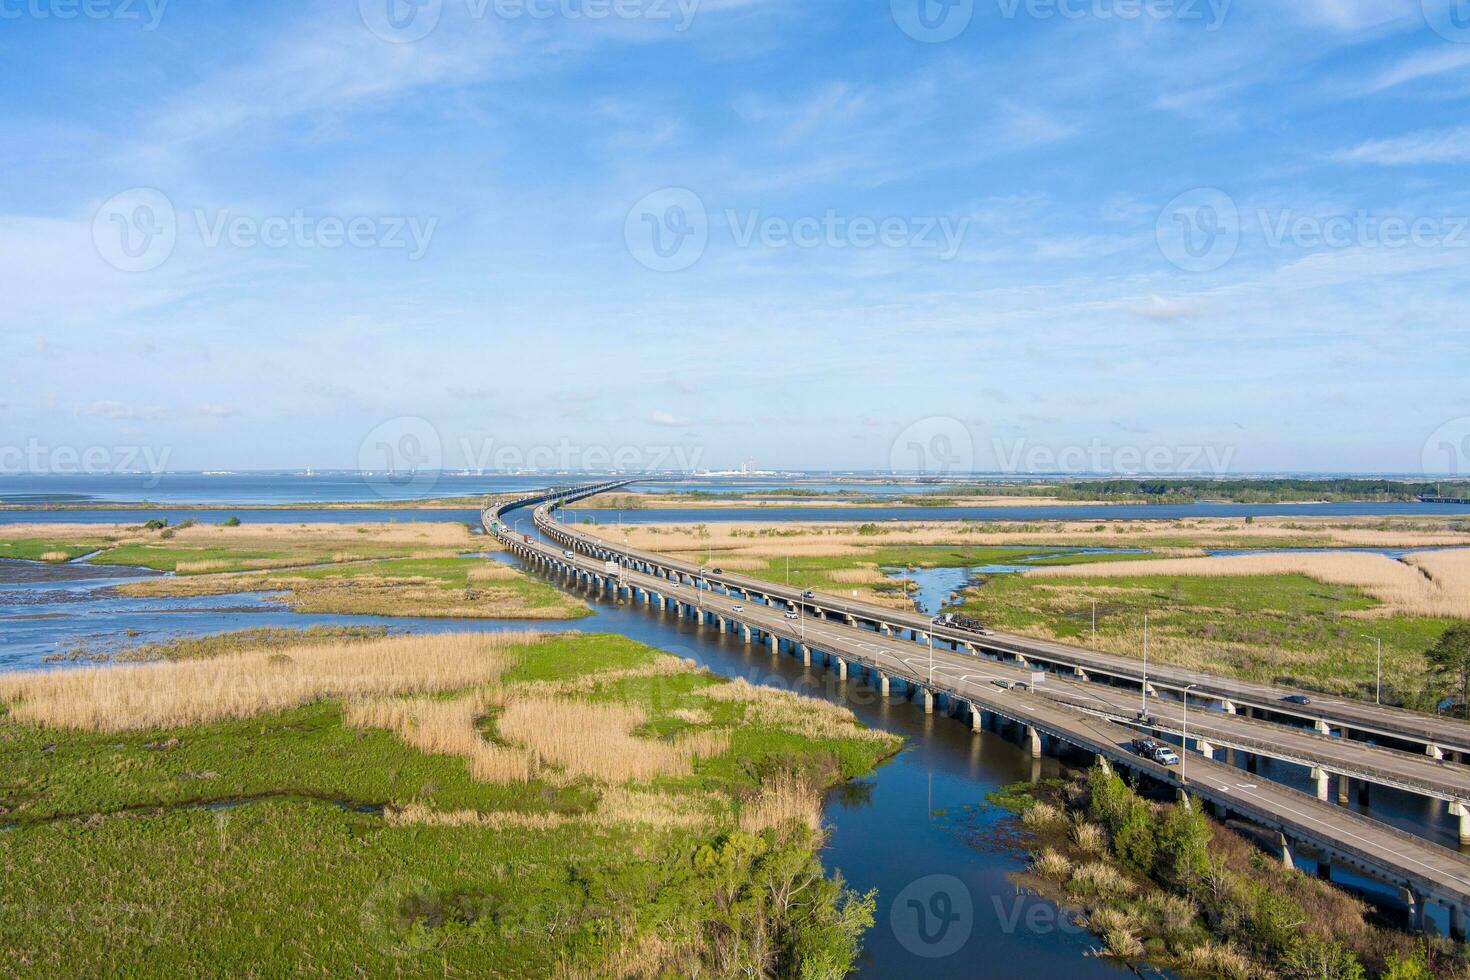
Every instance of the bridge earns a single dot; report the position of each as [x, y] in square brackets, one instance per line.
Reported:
[1065, 705]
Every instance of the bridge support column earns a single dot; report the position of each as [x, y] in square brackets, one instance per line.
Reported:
[806, 655]
[977, 720]
[841, 669]
[745, 628]
[1205, 748]
[885, 629]
[775, 642]
[883, 683]
[1434, 752]
[1458, 809]
[1415, 903]
[1284, 847]
[721, 621]
[1343, 786]
[1320, 777]
[1323, 728]
[1034, 738]
[1227, 706]
[928, 701]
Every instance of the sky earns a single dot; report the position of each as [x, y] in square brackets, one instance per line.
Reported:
[1141, 236]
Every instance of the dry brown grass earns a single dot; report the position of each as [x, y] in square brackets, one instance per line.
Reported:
[448, 727]
[1051, 863]
[615, 806]
[783, 799]
[864, 575]
[748, 541]
[1402, 586]
[55, 556]
[494, 572]
[796, 713]
[595, 739]
[193, 692]
[1217, 960]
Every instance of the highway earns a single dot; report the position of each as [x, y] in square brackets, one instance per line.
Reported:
[1392, 727]
[1070, 711]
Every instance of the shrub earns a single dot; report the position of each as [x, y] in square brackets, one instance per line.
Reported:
[1314, 958]
[1089, 837]
[1041, 815]
[232, 522]
[1051, 863]
[1182, 856]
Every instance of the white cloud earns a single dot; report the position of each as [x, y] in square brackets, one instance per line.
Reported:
[1429, 146]
[661, 417]
[122, 411]
[1156, 307]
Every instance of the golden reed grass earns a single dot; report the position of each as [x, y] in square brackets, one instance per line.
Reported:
[441, 727]
[615, 805]
[193, 692]
[1424, 584]
[783, 799]
[747, 542]
[588, 738]
[795, 712]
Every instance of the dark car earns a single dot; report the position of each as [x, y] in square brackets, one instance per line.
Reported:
[717, 571]
[808, 594]
[1297, 699]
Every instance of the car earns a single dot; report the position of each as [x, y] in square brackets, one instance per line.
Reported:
[737, 608]
[1147, 720]
[1020, 686]
[790, 615]
[1142, 746]
[808, 594]
[1297, 699]
[717, 571]
[1165, 756]
[1003, 685]
[570, 554]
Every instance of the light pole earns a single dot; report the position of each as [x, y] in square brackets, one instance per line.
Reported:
[1094, 619]
[931, 658]
[1378, 686]
[1143, 694]
[1184, 744]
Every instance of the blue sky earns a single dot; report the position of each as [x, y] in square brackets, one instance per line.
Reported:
[1009, 232]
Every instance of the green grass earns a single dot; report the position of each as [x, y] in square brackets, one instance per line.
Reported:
[1273, 628]
[166, 556]
[31, 549]
[115, 858]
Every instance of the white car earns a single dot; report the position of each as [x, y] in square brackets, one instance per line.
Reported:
[791, 615]
[737, 609]
[569, 554]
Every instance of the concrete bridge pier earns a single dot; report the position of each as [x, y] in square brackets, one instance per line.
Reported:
[1458, 809]
[1344, 784]
[1320, 776]
[928, 701]
[841, 669]
[806, 655]
[1033, 737]
[745, 629]
[1434, 752]
[883, 683]
[977, 720]
[885, 629]
[1284, 847]
[775, 643]
[1205, 749]
[721, 621]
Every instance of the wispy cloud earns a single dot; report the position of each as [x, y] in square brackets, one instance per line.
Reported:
[1425, 147]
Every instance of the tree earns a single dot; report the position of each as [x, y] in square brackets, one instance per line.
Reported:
[1450, 657]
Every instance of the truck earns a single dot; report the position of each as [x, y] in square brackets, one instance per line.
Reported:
[1154, 750]
[956, 621]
